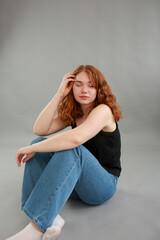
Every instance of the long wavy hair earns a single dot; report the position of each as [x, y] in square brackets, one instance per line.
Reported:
[69, 109]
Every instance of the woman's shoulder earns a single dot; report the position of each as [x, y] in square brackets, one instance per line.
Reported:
[110, 121]
[103, 108]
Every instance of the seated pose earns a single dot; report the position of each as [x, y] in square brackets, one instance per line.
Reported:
[82, 162]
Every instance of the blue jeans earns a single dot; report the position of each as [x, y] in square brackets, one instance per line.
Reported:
[51, 178]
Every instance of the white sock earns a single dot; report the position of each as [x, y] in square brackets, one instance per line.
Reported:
[58, 221]
[54, 231]
[28, 233]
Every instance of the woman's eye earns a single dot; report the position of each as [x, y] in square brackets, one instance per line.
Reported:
[78, 85]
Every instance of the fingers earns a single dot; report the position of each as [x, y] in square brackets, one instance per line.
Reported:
[23, 155]
[70, 74]
[70, 85]
[70, 81]
[18, 158]
[69, 77]
[27, 157]
[66, 84]
[22, 158]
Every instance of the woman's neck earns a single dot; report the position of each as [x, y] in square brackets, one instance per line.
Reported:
[85, 111]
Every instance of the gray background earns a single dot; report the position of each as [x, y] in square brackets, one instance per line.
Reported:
[40, 41]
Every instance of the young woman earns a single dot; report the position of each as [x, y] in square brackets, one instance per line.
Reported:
[82, 162]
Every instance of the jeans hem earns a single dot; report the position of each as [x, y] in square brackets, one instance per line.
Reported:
[34, 219]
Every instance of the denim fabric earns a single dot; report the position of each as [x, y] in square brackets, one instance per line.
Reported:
[51, 178]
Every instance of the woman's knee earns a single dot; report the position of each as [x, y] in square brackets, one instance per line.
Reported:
[98, 199]
[95, 202]
[38, 139]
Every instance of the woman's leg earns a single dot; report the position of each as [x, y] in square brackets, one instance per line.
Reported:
[65, 171]
[53, 188]
[95, 185]
[33, 170]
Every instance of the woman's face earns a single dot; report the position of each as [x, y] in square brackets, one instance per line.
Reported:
[83, 90]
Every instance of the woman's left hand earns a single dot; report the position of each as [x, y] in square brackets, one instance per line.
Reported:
[24, 154]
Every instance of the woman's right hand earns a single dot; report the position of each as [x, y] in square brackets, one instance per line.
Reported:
[66, 84]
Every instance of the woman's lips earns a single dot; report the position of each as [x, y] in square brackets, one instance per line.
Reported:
[83, 97]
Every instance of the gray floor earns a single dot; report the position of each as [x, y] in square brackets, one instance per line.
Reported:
[133, 213]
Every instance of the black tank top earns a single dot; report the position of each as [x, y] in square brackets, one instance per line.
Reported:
[106, 147]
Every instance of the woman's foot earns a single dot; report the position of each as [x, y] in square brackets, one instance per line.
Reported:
[28, 233]
[54, 231]
[58, 221]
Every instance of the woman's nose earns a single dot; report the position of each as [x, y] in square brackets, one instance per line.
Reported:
[84, 89]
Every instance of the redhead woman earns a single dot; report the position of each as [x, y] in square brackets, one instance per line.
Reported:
[82, 162]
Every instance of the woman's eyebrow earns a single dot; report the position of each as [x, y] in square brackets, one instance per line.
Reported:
[81, 81]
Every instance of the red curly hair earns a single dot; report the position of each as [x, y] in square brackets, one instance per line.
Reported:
[69, 109]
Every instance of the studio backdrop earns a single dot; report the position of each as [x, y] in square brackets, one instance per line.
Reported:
[43, 40]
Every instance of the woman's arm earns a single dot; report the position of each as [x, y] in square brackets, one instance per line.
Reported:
[47, 118]
[72, 138]
[46, 122]
[69, 139]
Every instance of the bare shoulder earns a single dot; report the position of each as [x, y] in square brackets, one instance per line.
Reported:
[103, 109]
[102, 113]
[110, 124]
